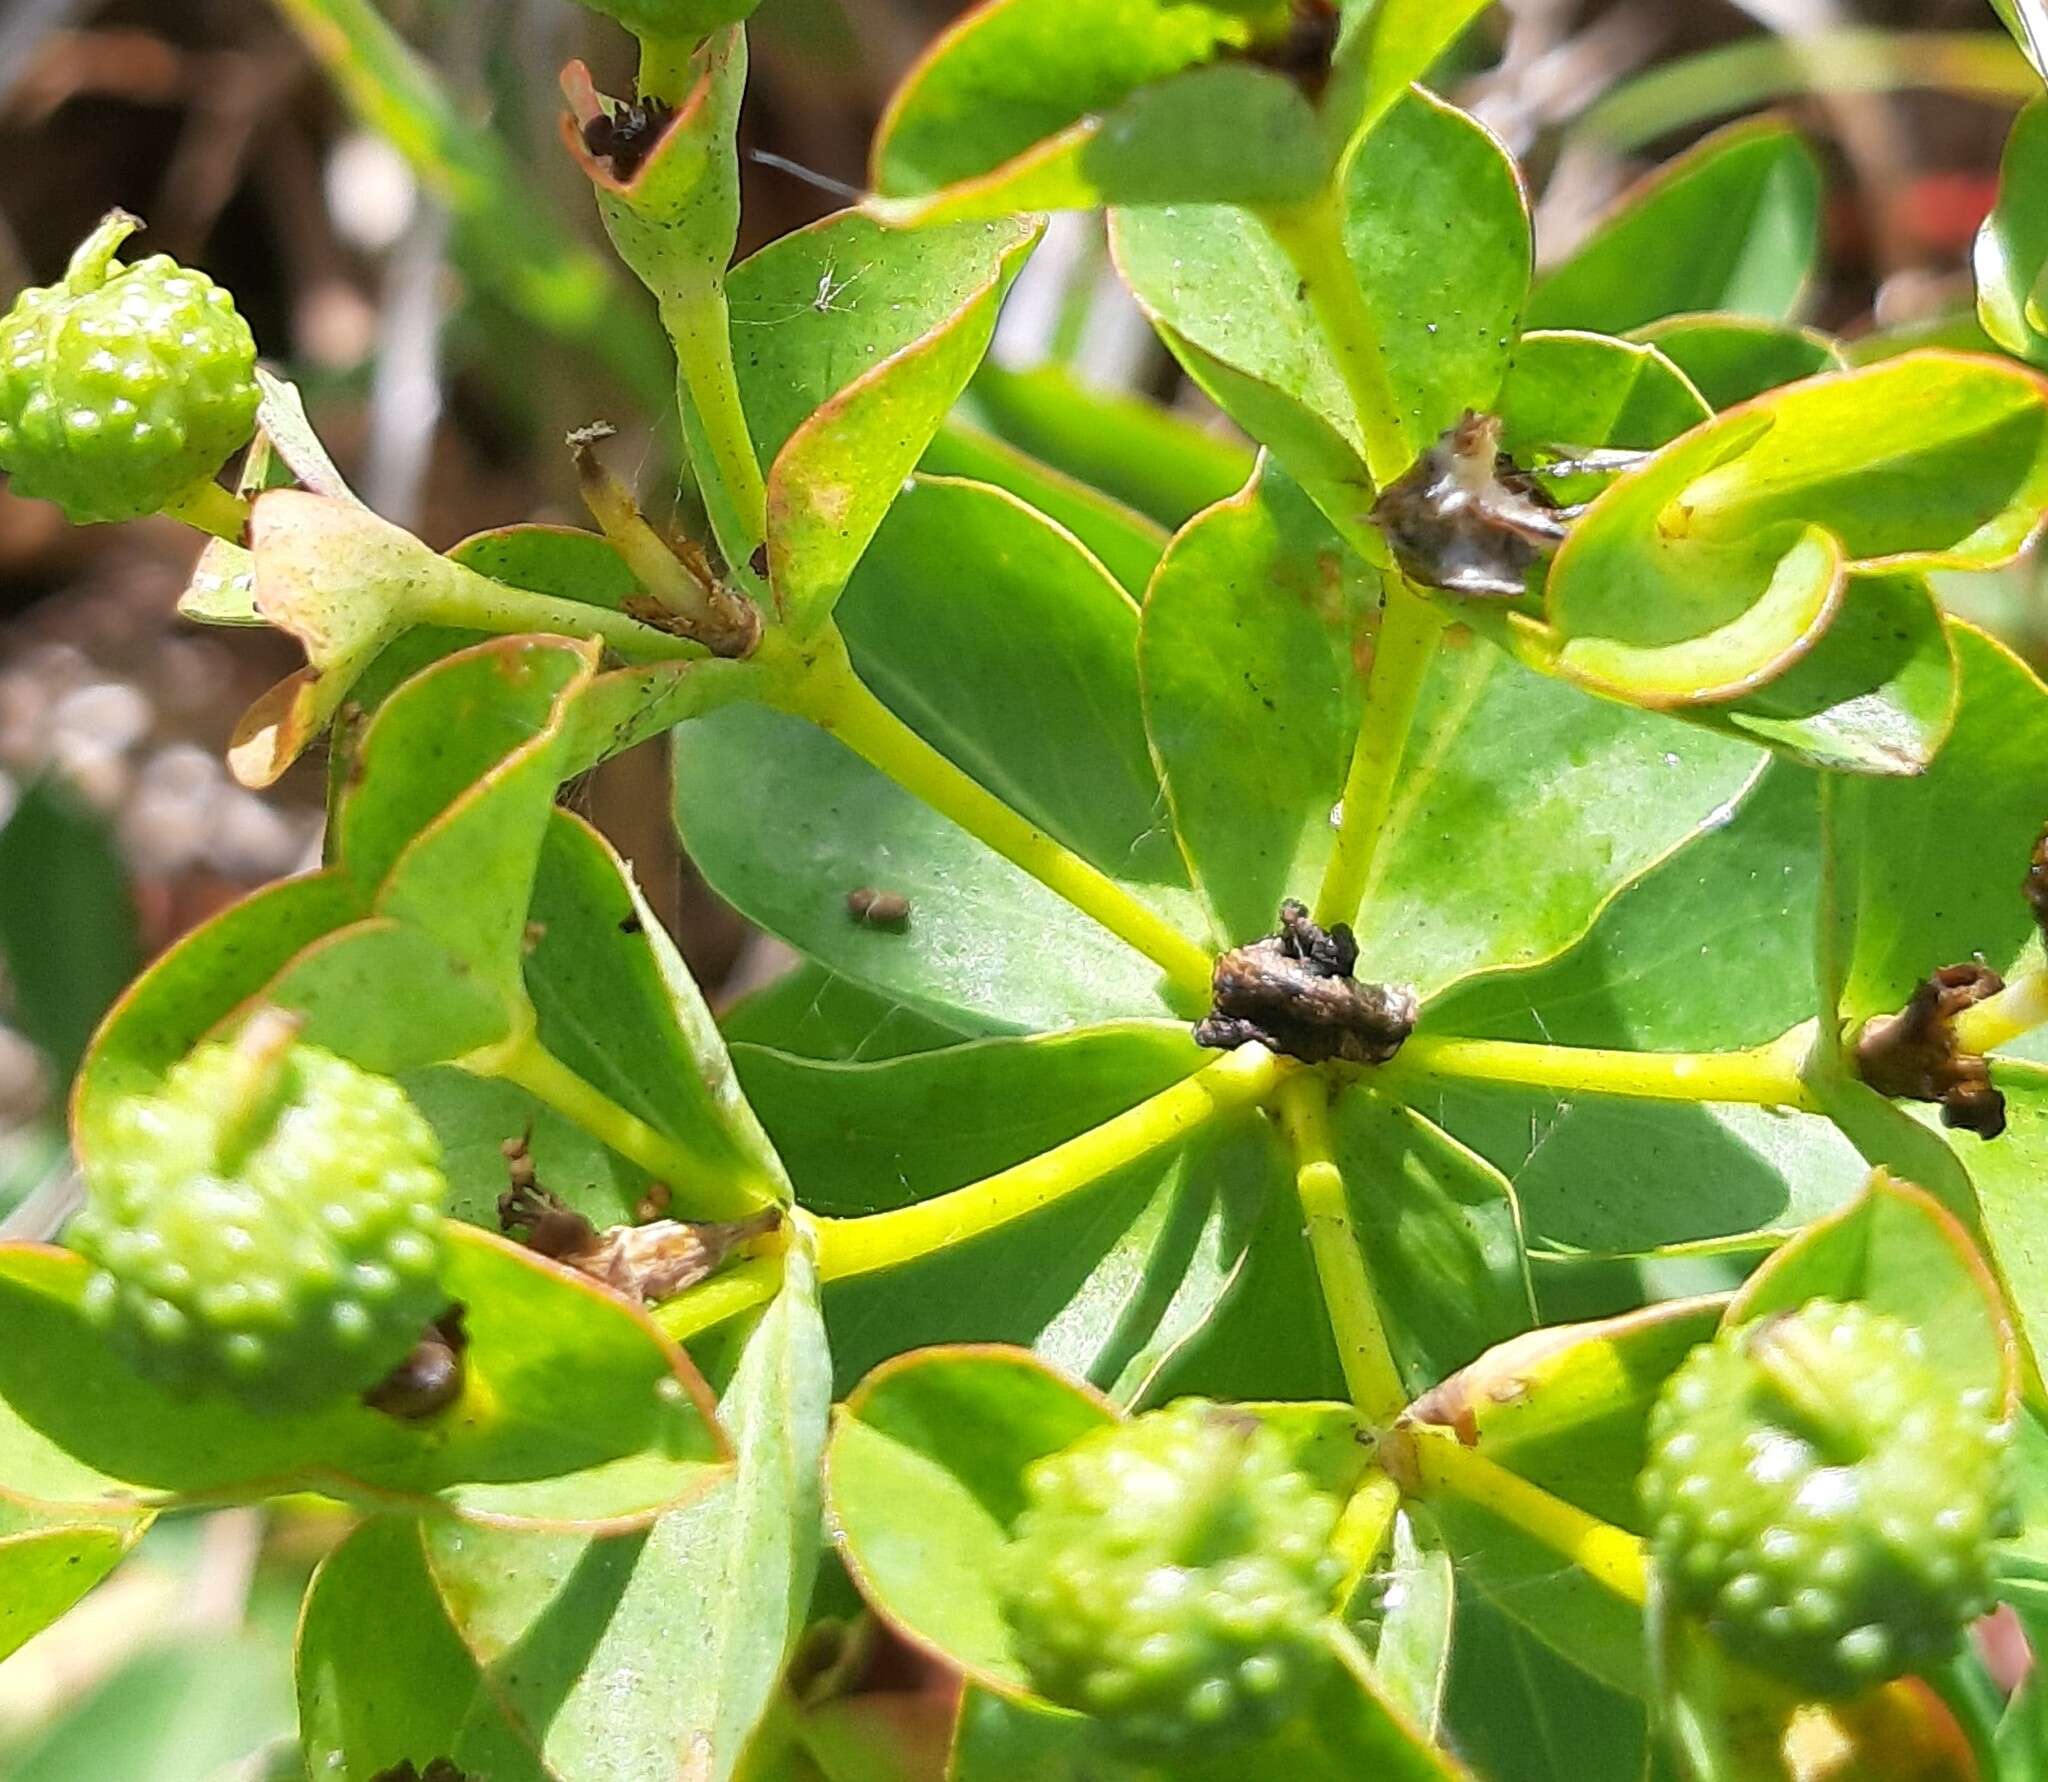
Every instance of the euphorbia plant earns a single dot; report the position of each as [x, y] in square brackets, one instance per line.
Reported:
[1309, 1017]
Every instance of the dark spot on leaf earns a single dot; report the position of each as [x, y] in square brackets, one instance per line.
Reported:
[631, 923]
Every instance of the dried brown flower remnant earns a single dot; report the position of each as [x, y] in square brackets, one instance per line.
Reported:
[1294, 992]
[1913, 1054]
[625, 137]
[1465, 519]
[645, 1263]
[439, 1769]
[2034, 887]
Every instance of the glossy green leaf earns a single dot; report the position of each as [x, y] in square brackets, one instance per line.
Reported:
[809, 1013]
[1927, 870]
[1733, 224]
[1567, 1407]
[575, 1410]
[1587, 391]
[617, 1656]
[67, 925]
[1896, 1250]
[1516, 1708]
[1253, 704]
[1386, 46]
[923, 1479]
[1041, 644]
[1127, 543]
[1732, 358]
[48, 1561]
[1438, 237]
[411, 1693]
[1224, 134]
[785, 822]
[2012, 247]
[1442, 1232]
[1713, 568]
[1164, 464]
[617, 1005]
[1014, 72]
[1416, 1619]
[1106, 1284]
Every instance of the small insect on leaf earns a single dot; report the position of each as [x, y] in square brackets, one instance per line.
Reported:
[428, 1380]
[878, 909]
[626, 137]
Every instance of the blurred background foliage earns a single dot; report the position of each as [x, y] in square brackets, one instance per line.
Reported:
[447, 310]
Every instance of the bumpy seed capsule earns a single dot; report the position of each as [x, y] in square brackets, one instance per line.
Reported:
[266, 1225]
[122, 387]
[1171, 1576]
[1822, 1500]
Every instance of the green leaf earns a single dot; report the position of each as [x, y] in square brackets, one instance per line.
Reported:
[1896, 1250]
[1733, 224]
[2007, 1177]
[616, 1003]
[1437, 234]
[1927, 871]
[1107, 1283]
[2012, 247]
[613, 1657]
[67, 925]
[923, 1480]
[1225, 134]
[1014, 72]
[576, 1410]
[1417, 1613]
[1717, 565]
[48, 1562]
[1127, 543]
[1253, 704]
[1518, 1709]
[1569, 390]
[1732, 358]
[1164, 464]
[1384, 47]
[1567, 1407]
[2029, 26]
[852, 341]
[409, 1693]
[809, 1013]
[1042, 648]
[1442, 1232]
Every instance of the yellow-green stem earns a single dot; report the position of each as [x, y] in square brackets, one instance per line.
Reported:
[668, 68]
[848, 1247]
[727, 1294]
[1768, 1076]
[1370, 1375]
[1311, 234]
[703, 1188]
[1432, 1462]
[834, 698]
[459, 597]
[210, 508]
[1409, 630]
[1998, 1020]
[701, 329]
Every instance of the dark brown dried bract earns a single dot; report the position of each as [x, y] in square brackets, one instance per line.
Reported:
[627, 136]
[878, 909]
[1465, 519]
[2035, 885]
[1294, 992]
[1303, 53]
[428, 1380]
[646, 1263]
[1913, 1054]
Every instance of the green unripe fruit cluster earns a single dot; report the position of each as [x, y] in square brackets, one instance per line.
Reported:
[121, 387]
[1171, 1576]
[1823, 1500]
[267, 1225]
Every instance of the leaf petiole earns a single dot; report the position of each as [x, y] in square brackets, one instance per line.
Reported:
[860, 1246]
[701, 329]
[1765, 1076]
[1432, 1462]
[1370, 1374]
[831, 695]
[210, 508]
[704, 1188]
